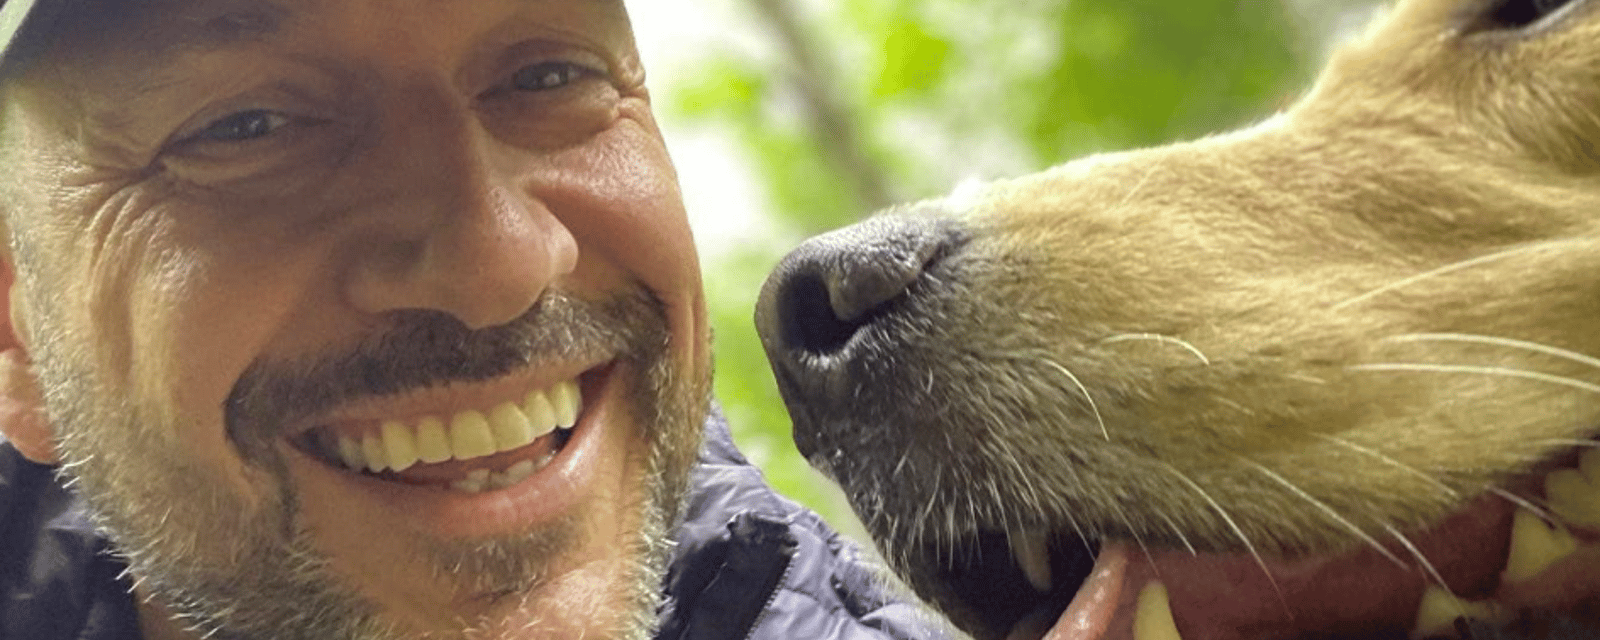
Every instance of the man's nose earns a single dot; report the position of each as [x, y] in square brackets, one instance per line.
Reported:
[461, 231]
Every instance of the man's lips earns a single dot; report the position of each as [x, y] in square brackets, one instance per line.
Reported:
[566, 464]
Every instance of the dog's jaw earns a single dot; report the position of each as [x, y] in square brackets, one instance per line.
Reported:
[1545, 572]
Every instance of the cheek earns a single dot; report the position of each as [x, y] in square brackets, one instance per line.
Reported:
[627, 214]
[162, 311]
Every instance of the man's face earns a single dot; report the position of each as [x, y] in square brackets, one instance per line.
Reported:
[258, 244]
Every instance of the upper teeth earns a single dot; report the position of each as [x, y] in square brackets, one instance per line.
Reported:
[396, 445]
[1574, 494]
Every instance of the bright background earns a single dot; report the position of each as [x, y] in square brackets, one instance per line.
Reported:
[790, 117]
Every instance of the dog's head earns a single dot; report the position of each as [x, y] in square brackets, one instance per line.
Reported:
[1300, 375]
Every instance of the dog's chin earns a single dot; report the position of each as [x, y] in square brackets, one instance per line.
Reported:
[1493, 569]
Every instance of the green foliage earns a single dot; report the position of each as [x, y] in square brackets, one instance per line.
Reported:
[935, 91]
[913, 60]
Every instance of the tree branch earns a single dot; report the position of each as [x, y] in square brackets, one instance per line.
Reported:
[833, 127]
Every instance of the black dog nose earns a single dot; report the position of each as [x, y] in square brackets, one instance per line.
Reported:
[823, 292]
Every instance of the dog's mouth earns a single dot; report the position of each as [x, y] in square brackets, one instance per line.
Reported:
[1502, 562]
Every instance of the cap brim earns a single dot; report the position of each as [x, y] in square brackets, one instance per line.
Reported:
[12, 15]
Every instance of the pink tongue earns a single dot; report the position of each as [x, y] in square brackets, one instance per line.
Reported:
[1101, 598]
[1230, 596]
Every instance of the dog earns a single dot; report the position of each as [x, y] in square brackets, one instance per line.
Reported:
[1334, 375]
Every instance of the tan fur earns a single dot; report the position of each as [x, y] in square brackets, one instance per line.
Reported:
[1195, 343]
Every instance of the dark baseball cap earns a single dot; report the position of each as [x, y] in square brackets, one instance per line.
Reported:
[23, 25]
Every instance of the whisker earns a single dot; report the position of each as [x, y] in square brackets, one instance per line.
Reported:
[1391, 461]
[1228, 520]
[1305, 378]
[1499, 342]
[1567, 443]
[1427, 566]
[1085, 391]
[905, 457]
[1156, 337]
[1134, 531]
[1179, 532]
[1233, 405]
[1449, 268]
[1087, 546]
[1023, 477]
[1322, 506]
[933, 498]
[1074, 521]
[1138, 186]
[1493, 371]
[1524, 503]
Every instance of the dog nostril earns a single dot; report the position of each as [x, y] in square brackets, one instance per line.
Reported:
[824, 292]
[806, 316]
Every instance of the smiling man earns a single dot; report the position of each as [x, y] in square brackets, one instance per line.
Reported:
[368, 319]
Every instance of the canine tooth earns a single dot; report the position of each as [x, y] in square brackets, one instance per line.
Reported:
[1437, 613]
[510, 427]
[567, 401]
[399, 445]
[1589, 465]
[372, 450]
[470, 436]
[541, 416]
[1153, 618]
[1535, 546]
[350, 453]
[1572, 497]
[1032, 554]
[433, 442]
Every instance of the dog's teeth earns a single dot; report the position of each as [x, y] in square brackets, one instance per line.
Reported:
[1535, 546]
[1572, 496]
[1437, 613]
[1153, 618]
[1589, 465]
[1032, 553]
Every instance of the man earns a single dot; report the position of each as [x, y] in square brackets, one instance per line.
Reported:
[368, 319]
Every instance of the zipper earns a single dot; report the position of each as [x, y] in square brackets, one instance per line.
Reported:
[772, 597]
[733, 582]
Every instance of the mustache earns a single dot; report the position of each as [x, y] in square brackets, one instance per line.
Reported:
[427, 348]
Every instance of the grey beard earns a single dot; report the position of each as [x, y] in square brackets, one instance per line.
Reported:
[233, 569]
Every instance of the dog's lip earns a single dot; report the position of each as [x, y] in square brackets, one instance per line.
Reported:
[1263, 597]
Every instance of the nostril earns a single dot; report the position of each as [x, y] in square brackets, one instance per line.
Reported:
[806, 316]
[826, 291]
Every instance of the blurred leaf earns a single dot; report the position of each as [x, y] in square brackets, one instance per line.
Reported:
[727, 89]
[913, 60]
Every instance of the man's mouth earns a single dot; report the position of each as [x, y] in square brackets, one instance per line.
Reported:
[1502, 561]
[471, 450]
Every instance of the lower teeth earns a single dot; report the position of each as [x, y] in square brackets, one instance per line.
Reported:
[480, 480]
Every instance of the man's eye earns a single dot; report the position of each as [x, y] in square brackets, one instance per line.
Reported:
[545, 76]
[242, 126]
